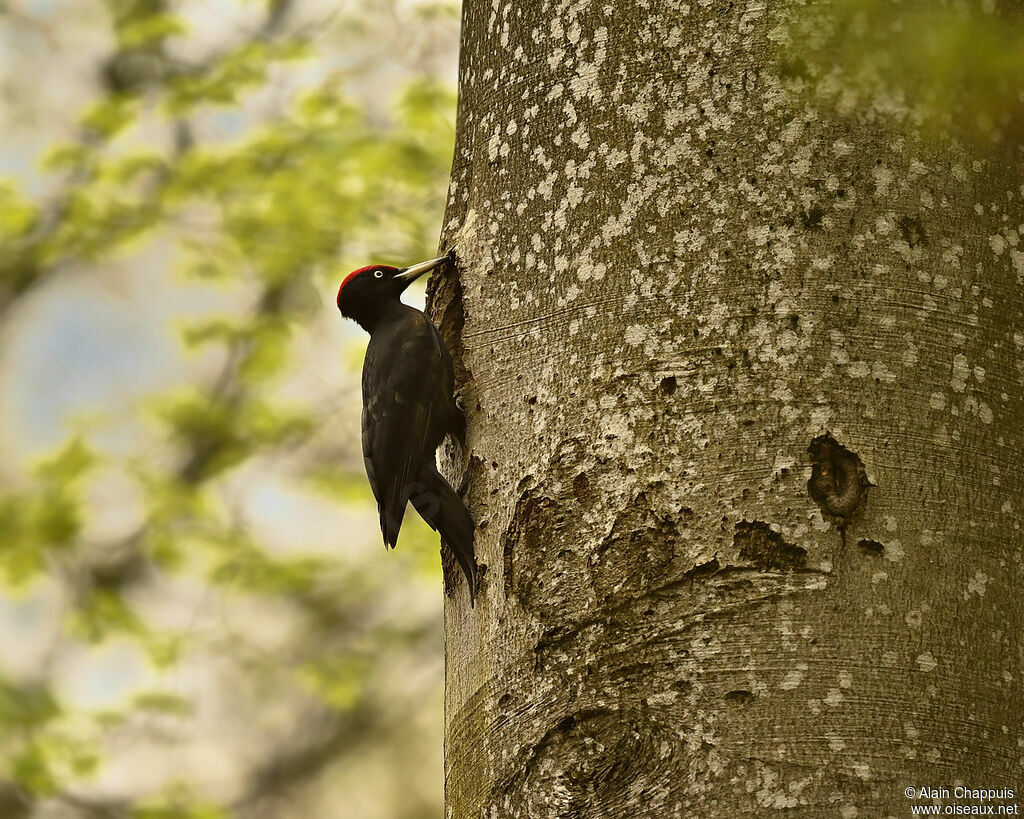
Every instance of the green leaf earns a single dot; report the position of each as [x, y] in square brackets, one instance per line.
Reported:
[347, 486]
[106, 613]
[153, 28]
[338, 681]
[17, 214]
[67, 157]
[163, 702]
[68, 464]
[25, 707]
[32, 770]
[111, 115]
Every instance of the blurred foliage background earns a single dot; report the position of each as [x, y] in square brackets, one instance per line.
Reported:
[939, 68]
[197, 617]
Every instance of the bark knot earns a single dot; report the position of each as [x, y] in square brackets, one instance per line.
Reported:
[596, 761]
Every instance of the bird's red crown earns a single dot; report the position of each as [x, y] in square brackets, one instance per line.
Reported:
[353, 274]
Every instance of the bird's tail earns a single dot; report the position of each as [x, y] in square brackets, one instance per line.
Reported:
[390, 526]
[444, 511]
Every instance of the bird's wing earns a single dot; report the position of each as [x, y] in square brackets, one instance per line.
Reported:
[398, 409]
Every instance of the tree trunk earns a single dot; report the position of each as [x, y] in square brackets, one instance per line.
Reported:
[744, 400]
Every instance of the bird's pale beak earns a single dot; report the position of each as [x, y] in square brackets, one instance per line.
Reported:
[417, 270]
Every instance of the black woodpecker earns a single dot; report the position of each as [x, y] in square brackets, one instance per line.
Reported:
[408, 408]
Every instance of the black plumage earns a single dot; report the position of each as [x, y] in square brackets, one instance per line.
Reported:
[408, 409]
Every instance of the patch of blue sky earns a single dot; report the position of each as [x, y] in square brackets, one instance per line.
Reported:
[30, 620]
[229, 122]
[104, 676]
[17, 164]
[45, 8]
[83, 352]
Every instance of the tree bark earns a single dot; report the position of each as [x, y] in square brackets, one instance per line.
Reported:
[743, 378]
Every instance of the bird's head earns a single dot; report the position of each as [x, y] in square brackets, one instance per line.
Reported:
[368, 292]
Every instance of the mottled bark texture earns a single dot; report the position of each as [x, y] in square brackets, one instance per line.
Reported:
[743, 378]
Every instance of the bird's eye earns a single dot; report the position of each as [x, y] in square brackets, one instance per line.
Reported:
[378, 274]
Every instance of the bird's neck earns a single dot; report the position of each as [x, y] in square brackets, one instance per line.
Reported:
[379, 314]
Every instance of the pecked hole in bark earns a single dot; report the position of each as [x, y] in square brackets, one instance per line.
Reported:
[766, 549]
[871, 546]
[838, 482]
[911, 228]
[445, 308]
[703, 569]
[581, 487]
[739, 696]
